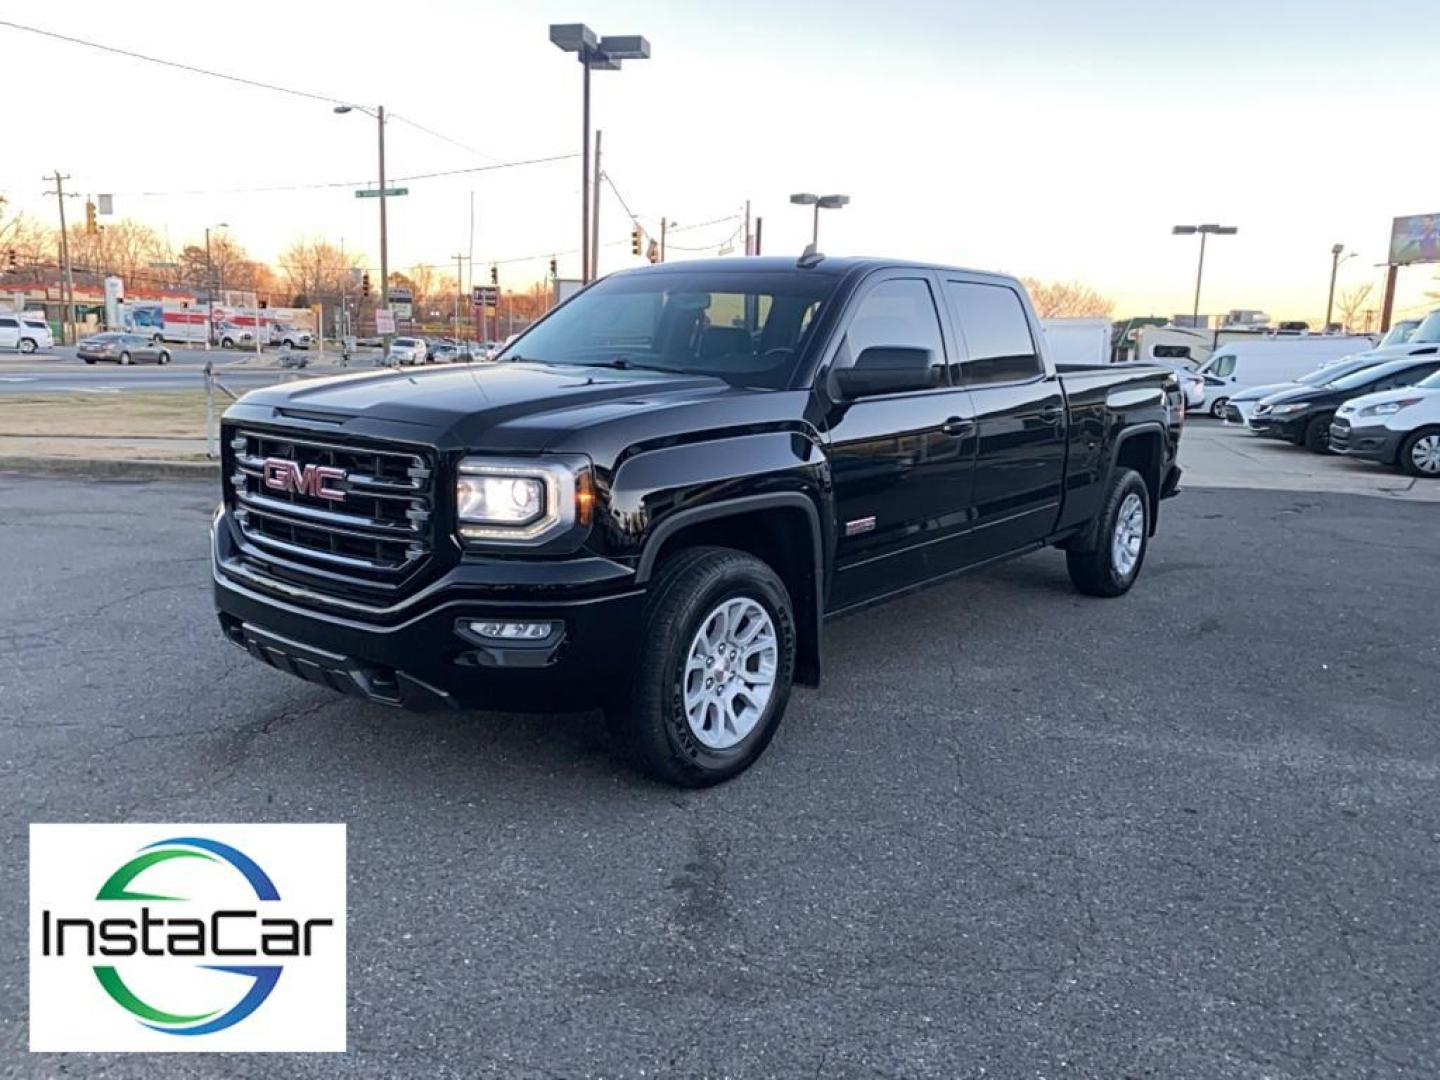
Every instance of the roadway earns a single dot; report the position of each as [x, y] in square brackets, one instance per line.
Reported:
[1018, 832]
[60, 371]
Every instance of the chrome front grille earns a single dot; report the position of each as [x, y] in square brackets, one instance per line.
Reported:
[371, 527]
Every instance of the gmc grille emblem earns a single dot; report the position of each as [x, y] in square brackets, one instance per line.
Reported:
[315, 480]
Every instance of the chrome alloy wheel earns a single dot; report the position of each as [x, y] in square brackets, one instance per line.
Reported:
[1129, 535]
[1425, 455]
[730, 672]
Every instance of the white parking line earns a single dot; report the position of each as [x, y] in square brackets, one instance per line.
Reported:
[17, 378]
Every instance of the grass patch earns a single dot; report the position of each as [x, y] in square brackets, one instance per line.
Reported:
[180, 414]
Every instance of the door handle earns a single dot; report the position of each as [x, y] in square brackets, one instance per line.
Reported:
[1050, 413]
[958, 426]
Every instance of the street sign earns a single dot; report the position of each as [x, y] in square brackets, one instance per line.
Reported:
[384, 321]
[375, 193]
[485, 295]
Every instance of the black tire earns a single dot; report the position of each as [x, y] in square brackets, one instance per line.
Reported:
[125, 359]
[89, 359]
[1405, 461]
[1094, 571]
[163, 358]
[649, 719]
[1217, 407]
[27, 345]
[1317, 434]
[227, 343]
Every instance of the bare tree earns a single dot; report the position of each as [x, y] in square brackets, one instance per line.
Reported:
[33, 243]
[1067, 299]
[1350, 302]
[316, 272]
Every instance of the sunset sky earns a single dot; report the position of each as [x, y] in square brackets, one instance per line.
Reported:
[1053, 139]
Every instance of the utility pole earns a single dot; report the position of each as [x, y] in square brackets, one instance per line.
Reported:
[759, 231]
[747, 228]
[67, 280]
[459, 283]
[664, 225]
[384, 236]
[1388, 306]
[594, 271]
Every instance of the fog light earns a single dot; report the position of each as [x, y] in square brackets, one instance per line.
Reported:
[513, 631]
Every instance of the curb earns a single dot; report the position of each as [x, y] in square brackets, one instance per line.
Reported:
[105, 468]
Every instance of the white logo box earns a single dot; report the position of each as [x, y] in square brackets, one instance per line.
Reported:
[249, 898]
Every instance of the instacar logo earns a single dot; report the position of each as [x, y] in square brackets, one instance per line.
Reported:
[184, 943]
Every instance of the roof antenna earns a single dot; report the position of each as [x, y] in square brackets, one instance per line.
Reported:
[809, 257]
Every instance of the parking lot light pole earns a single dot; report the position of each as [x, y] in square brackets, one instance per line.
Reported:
[1335, 261]
[819, 202]
[379, 114]
[1204, 231]
[595, 54]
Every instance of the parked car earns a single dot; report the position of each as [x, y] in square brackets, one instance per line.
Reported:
[1399, 427]
[123, 348]
[444, 353]
[406, 352]
[25, 333]
[660, 521]
[1241, 406]
[1303, 415]
[1399, 333]
[233, 336]
[1240, 365]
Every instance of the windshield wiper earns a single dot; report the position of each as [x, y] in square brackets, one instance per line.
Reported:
[619, 363]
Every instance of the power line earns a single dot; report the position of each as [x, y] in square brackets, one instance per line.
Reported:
[172, 63]
[240, 79]
[329, 184]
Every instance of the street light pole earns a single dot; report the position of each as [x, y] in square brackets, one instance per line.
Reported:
[1204, 231]
[1335, 261]
[819, 202]
[384, 232]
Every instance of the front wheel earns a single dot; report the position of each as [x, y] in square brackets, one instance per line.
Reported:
[717, 657]
[1217, 407]
[227, 343]
[1420, 454]
[163, 358]
[1111, 566]
[27, 345]
[1317, 434]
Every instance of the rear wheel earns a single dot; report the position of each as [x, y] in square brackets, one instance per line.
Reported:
[27, 345]
[1420, 453]
[163, 358]
[125, 358]
[1111, 566]
[717, 656]
[89, 359]
[1317, 434]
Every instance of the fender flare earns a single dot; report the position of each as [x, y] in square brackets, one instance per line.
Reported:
[807, 669]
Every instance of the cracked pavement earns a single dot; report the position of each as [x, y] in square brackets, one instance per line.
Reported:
[1191, 833]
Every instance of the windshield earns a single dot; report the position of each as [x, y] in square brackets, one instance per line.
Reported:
[1428, 332]
[1368, 375]
[748, 328]
[1399, 334]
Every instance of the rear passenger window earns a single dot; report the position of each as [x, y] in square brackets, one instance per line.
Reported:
[997, 335]
[9, 324]
[899, 312]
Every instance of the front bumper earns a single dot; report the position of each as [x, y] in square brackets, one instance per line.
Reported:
[1375, 442]
[424, 656]
[1289, 428]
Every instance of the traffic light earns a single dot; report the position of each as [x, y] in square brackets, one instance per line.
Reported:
[365, 284]
[635, 240]
[264, 304]
[494, 274]
[12, 263]
[554, 270]
[90, 226]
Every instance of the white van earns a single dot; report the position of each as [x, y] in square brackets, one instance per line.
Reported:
[25, 332]
[1077, 341]
[1241, 365]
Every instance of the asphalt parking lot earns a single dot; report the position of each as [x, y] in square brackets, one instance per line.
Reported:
[1018, 833]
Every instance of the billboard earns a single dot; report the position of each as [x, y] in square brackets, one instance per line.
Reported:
[1415, 240]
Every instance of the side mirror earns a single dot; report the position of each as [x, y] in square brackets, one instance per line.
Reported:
[886, 369]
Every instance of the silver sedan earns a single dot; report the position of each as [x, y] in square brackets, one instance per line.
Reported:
[122, 348]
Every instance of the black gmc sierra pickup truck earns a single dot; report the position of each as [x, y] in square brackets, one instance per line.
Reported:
[657, 495]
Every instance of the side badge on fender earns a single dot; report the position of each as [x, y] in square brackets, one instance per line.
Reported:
[860, 525]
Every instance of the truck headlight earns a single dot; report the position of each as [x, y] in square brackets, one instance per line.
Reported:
[525, 502]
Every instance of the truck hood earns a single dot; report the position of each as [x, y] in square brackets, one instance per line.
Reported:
[520, 406]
